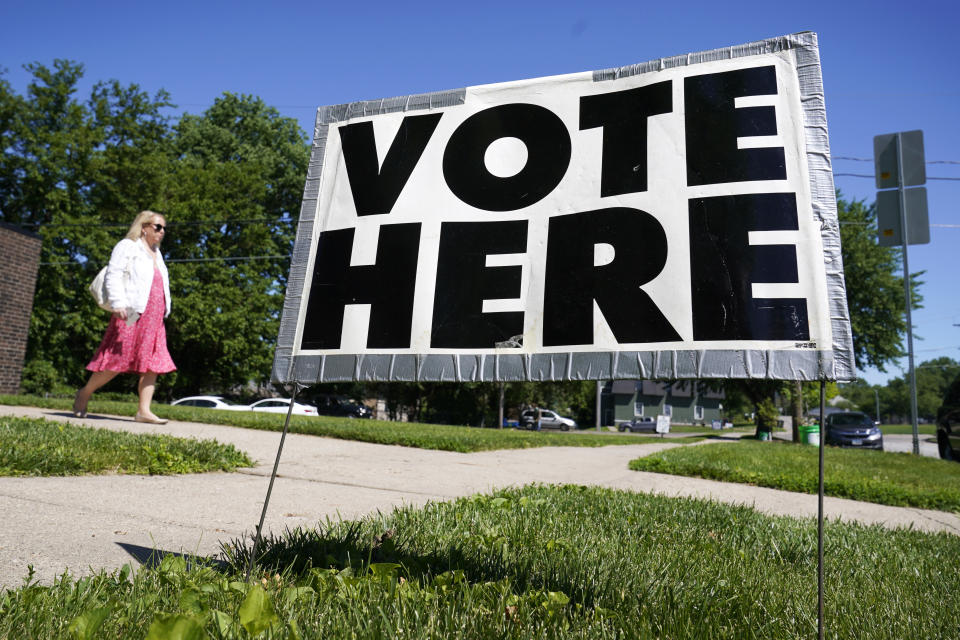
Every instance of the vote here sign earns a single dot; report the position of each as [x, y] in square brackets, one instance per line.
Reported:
[669, 219]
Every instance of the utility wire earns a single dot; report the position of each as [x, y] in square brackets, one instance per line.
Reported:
[871, 160]
[74, 263]
[870, 175]
[183, 223]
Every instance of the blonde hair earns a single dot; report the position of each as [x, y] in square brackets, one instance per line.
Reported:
[136, 229]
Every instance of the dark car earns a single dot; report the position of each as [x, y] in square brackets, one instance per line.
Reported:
[638, 424]
[329, 406]
[948, 423]
[853, 429]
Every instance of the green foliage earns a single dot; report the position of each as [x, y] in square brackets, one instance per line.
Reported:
[39, 377]
[69, 168]
[767, 415]
[874, 280]
[407, 434]
[538, 562]
[897, 479]
[933, 379]
[39, 447]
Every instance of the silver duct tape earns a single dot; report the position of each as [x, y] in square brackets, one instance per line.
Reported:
[835, 364]
[622, 365]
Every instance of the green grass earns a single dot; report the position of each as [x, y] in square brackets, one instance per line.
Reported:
[407, 434]
[922, 429]
[38, 447]
[898, 479]
[540, 562]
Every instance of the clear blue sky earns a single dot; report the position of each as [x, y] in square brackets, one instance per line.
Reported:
[887, 67]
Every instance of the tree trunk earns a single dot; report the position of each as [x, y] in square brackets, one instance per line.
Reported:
[503, 389]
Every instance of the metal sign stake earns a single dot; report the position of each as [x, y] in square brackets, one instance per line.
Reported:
[273, 476]
[907, 292]
[823, 435]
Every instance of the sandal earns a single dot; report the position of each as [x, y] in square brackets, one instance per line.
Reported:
[150, 420]
[77, 411]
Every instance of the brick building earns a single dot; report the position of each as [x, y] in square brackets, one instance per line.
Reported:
[19, 260]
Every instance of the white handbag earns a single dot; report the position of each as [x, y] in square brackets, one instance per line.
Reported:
[98, 289]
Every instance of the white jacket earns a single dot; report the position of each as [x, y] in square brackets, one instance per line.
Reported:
[132, 290]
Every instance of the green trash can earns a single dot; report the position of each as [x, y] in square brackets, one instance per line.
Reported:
[810, 434]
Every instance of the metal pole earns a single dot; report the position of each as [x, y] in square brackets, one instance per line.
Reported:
[906, 289]
[823, 435]
[273, 476]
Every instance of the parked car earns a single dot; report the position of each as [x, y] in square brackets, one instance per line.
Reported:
[341, 407]
[638, 424]
[548, 420]
[282, 405]
[948, 423]
[853, 429]
[209, 402]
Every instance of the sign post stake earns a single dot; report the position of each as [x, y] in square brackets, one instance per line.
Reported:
[823, 434]
[273, 476]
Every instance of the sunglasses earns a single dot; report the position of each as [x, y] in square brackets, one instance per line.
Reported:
[156, 227]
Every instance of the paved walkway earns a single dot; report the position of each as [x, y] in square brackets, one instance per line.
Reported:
[91, 522]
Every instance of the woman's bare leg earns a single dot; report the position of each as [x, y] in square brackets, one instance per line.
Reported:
[147, 384]
[97, 380]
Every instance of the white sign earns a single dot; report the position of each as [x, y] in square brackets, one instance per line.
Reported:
[663, 424]
[548, 228]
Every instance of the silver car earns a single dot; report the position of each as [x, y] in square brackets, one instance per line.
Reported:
[209, 402]
[547, 420]
[282, 405]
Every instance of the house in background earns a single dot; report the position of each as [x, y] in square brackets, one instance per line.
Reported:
[685, 401]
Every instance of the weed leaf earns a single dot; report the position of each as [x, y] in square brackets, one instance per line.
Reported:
[257, 613]
[84, 626]
[175, 627]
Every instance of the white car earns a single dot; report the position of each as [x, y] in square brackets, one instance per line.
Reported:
[281, 405]
[209, 402]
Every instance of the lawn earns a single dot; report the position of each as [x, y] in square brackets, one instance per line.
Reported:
[898, 479]
[407, 434]
[38, 447]
[538, 562]
[922, 429]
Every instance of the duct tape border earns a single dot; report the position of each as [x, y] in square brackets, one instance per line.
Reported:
[834, 364]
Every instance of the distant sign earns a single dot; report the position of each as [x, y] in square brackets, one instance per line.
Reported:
[663, 424]
[890, 220]
[890, 161]
[648, 221]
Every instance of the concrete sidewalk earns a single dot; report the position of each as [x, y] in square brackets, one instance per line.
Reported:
[90, 522]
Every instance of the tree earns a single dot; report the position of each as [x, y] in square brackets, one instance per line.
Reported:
[875, 292]
[232, 202]
[875, 301]
[229, 181]
[933, 379]
[67, 170]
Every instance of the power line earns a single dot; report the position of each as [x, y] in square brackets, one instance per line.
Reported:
[871, 160]
[871, 176]
[74, 263]
[180, 223]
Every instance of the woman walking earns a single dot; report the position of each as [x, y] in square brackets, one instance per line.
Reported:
[138, 289]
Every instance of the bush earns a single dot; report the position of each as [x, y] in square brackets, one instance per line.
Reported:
[40, 377]
[767, 415]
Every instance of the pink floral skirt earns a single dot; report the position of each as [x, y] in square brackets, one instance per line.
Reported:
[139, 348]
